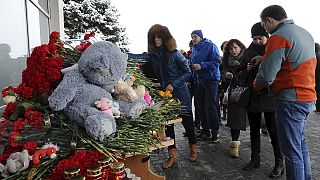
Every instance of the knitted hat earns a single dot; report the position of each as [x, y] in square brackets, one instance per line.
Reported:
[258, 30]
[198, 33]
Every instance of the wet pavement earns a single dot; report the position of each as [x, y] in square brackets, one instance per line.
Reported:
[214, 161]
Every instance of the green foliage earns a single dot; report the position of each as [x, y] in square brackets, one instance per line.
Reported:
[81, 16]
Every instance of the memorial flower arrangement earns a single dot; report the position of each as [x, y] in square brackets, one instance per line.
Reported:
[29, 123]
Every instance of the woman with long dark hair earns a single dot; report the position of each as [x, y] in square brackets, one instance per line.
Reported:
[172, 71]
[234, 62]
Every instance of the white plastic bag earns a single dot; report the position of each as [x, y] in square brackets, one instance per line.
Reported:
[225, 96]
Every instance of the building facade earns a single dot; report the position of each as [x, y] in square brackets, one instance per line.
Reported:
[25, 24]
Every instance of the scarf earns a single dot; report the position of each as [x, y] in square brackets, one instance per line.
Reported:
[234, 61]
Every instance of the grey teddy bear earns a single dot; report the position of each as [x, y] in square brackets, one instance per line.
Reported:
[99, 67]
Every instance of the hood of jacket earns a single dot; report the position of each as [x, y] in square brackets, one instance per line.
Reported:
[201, 44]
[167, 39]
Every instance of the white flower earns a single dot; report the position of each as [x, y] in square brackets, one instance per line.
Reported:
[9, 99]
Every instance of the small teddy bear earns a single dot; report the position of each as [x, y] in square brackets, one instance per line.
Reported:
[124, 92]
[148, 99]
[131, 101]
[105, 105]
[16, 162]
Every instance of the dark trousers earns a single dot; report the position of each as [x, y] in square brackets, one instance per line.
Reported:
[187, 122]
[235, 133]
[255, 124]
[205, 102]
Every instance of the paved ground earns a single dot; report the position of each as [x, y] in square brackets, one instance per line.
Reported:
[214, 161]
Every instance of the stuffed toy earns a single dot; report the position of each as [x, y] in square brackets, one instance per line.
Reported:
[105, 105]
[4, 170]
[46, 150]
[148, 99]
[124, 92]
[116, 109]
[133, 109]
[131, 101]
[100, 66]
[16, 162]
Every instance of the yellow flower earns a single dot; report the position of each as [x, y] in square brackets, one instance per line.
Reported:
[168, 93]
[133, 78]
[161, 93]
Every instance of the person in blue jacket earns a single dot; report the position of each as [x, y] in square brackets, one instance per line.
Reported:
[172, 71]
[205, 61]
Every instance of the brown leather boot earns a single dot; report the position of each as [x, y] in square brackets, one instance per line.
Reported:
[172, 158]
[193, 152]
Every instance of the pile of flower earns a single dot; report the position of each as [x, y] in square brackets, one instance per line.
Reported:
[30, 124]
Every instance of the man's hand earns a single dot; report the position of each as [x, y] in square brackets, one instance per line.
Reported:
[169, 87]
[196, 67]
[229, 75]
[256, 60]
[257, 86]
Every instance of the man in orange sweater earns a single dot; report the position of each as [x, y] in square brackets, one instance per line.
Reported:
[288, 66]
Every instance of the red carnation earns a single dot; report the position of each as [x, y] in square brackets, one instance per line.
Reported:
[86, 37]
[31, 146]
[9, 110]
[54, 35]
[6, 91]
[19, 124]
[92, 33]
[14, 137]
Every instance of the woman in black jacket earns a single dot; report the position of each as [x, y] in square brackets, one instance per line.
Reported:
[234, 62]
[262, 101]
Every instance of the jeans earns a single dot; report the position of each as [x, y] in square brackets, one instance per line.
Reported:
[205, 102]
[291, 120]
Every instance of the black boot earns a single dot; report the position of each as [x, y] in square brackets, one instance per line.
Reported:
[278, 169]
[253, 164]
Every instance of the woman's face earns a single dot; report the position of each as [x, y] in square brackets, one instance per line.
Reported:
[234, 50]
[158, 41]
[259, 40]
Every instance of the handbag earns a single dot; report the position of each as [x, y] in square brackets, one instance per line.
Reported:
[240, 94]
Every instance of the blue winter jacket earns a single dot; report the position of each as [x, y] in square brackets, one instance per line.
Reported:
[176, 73]
[207, 55]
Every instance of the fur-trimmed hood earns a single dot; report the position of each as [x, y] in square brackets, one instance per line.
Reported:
[165, 35]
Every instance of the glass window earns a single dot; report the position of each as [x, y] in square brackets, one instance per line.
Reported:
[13, 43]
[38, 26]
[42, 3]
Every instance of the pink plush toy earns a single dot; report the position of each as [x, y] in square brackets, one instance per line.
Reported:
[105, 105]
[148, 98]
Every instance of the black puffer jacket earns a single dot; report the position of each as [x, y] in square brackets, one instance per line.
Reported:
[264, 100]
